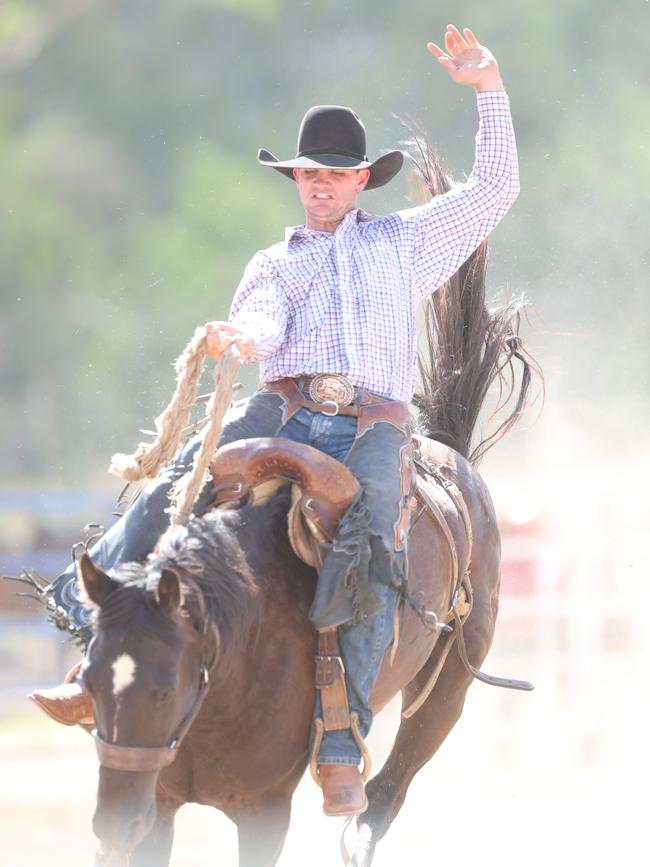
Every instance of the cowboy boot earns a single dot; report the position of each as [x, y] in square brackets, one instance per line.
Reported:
[343, 790]
[69, 703]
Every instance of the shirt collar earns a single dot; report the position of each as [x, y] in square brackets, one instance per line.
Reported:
[348, 223]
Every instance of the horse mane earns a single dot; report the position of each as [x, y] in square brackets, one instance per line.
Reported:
[208, 556]
[468, 347]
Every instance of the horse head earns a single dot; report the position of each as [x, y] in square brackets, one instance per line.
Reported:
[147, 672]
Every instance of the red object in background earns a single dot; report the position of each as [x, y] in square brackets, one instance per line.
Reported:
[531, 558]
[519, 577]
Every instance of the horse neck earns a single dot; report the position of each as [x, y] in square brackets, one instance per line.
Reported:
[246, 596]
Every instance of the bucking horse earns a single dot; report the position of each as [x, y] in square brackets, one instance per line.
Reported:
[201, 667]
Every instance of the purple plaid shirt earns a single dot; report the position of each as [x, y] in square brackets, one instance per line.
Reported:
[345, 302]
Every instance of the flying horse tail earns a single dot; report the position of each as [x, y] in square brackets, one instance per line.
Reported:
[469, 349]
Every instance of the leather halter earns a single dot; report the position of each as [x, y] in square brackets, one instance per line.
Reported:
[148, 759]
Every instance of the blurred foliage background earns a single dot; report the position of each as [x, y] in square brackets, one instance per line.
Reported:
[130, 203]
[131, 199]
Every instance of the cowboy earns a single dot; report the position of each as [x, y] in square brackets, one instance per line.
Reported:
[329, 312]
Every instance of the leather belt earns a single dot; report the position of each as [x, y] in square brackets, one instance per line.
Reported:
[369, 409]
[329, 393]
[335, 388]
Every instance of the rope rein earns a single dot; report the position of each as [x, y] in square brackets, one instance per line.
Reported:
[171, 425]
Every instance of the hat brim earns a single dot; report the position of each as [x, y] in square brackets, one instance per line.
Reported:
[382, 170]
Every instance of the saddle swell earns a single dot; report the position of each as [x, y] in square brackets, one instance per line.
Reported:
[252, 470]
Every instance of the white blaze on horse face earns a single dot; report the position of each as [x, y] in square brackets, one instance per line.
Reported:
[123, 673]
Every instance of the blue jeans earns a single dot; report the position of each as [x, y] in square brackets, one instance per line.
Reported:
[363, 643]
[374, 458]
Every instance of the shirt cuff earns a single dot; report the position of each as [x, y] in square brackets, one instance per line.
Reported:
[487, 98]
[266, 333]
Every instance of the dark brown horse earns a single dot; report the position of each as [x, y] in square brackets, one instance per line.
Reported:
[227, 602]
[202, 663]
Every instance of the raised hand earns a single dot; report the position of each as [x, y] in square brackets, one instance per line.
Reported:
[467, 61]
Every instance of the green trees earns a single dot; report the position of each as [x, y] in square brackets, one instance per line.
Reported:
[131, 199]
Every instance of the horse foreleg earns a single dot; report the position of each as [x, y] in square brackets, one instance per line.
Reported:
[155, 849]
[262, 830]
[417, 740]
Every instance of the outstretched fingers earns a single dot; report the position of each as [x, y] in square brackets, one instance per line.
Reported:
[472, 41]
[454, 41]
[466, 60]
[435, 50]
[443, 58]
[457, 42]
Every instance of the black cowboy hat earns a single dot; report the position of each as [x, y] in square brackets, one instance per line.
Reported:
[333, 137]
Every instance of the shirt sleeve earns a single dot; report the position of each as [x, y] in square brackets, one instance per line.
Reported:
[451, 226]
[259, 308]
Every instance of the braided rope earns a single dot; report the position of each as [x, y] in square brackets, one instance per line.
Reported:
[171, 425]
[148, 458]
[186, 489]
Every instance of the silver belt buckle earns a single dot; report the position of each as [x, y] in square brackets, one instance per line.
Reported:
[334, 404]
[331, 389]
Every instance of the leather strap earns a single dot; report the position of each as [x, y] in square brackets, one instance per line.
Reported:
[362, 396]
[330, 680]
[296, 398]
[430, 502]
[369, 408]
[148, 759]
[394, 412]
[506, 682]
[407, 478]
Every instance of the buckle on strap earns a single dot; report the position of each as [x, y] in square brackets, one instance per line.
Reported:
[333, 389]
[332, 403]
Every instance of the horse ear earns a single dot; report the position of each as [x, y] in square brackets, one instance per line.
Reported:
[95, 583]
[168, 592]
